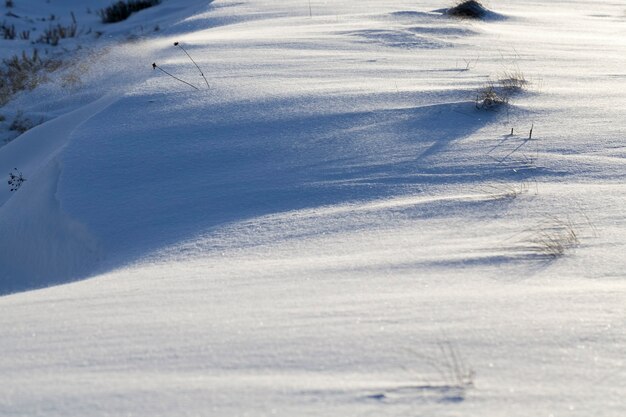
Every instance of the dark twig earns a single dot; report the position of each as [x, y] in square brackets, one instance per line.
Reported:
[155, 66]
[194, 62]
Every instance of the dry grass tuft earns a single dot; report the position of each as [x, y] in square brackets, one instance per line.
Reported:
[495, 94]
[23, 72]
[510, 190]
[491, 97]
[552, 238]
[512, 81]
[555, 239]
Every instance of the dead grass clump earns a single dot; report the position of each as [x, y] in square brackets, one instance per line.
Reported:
[554, 243]
[453, 378]
[553, 238]
[454, 371]
[495, 94]
[500, 190]
[23, 72]
[21, 123]
[53, 34]
[470, 9]
[490, 97]
[512, 81]
[8, 31]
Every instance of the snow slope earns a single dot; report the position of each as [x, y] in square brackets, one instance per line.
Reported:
[333, 228]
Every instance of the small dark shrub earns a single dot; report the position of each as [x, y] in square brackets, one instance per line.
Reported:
[8, 31]
[470, 9]
[16, 179]
[123, 9]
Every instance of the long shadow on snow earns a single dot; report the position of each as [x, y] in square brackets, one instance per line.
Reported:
[204, 18]
[143, 176]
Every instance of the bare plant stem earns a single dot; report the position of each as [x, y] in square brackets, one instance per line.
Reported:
[194, 62]
[155, 66]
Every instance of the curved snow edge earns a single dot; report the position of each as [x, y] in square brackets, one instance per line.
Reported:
[40, 245]
[34, 149]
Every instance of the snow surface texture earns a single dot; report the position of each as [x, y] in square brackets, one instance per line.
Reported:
[333, 228]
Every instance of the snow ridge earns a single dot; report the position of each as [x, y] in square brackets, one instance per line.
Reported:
[40, 245]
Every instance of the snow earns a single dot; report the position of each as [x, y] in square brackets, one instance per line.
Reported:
[333, 228]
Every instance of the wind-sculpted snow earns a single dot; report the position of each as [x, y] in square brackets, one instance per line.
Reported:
[338, 224]
[172, 173]
[40, 245]
[399, 39]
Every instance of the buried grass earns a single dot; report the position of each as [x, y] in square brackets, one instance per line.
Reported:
[453, 378]
[498, 93]
[512, 81]
[555, 236]
[490, 97]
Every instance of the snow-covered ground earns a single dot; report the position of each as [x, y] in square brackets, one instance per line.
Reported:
[332, 228]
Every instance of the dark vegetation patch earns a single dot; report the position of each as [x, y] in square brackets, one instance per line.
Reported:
[16, 179]
[495, 94]
[23, 72]
[21, 123]
[53, 34]
[470, 9]
[123, 9]
[7, 31]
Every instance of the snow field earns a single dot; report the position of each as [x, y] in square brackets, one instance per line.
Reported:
[318, 231]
